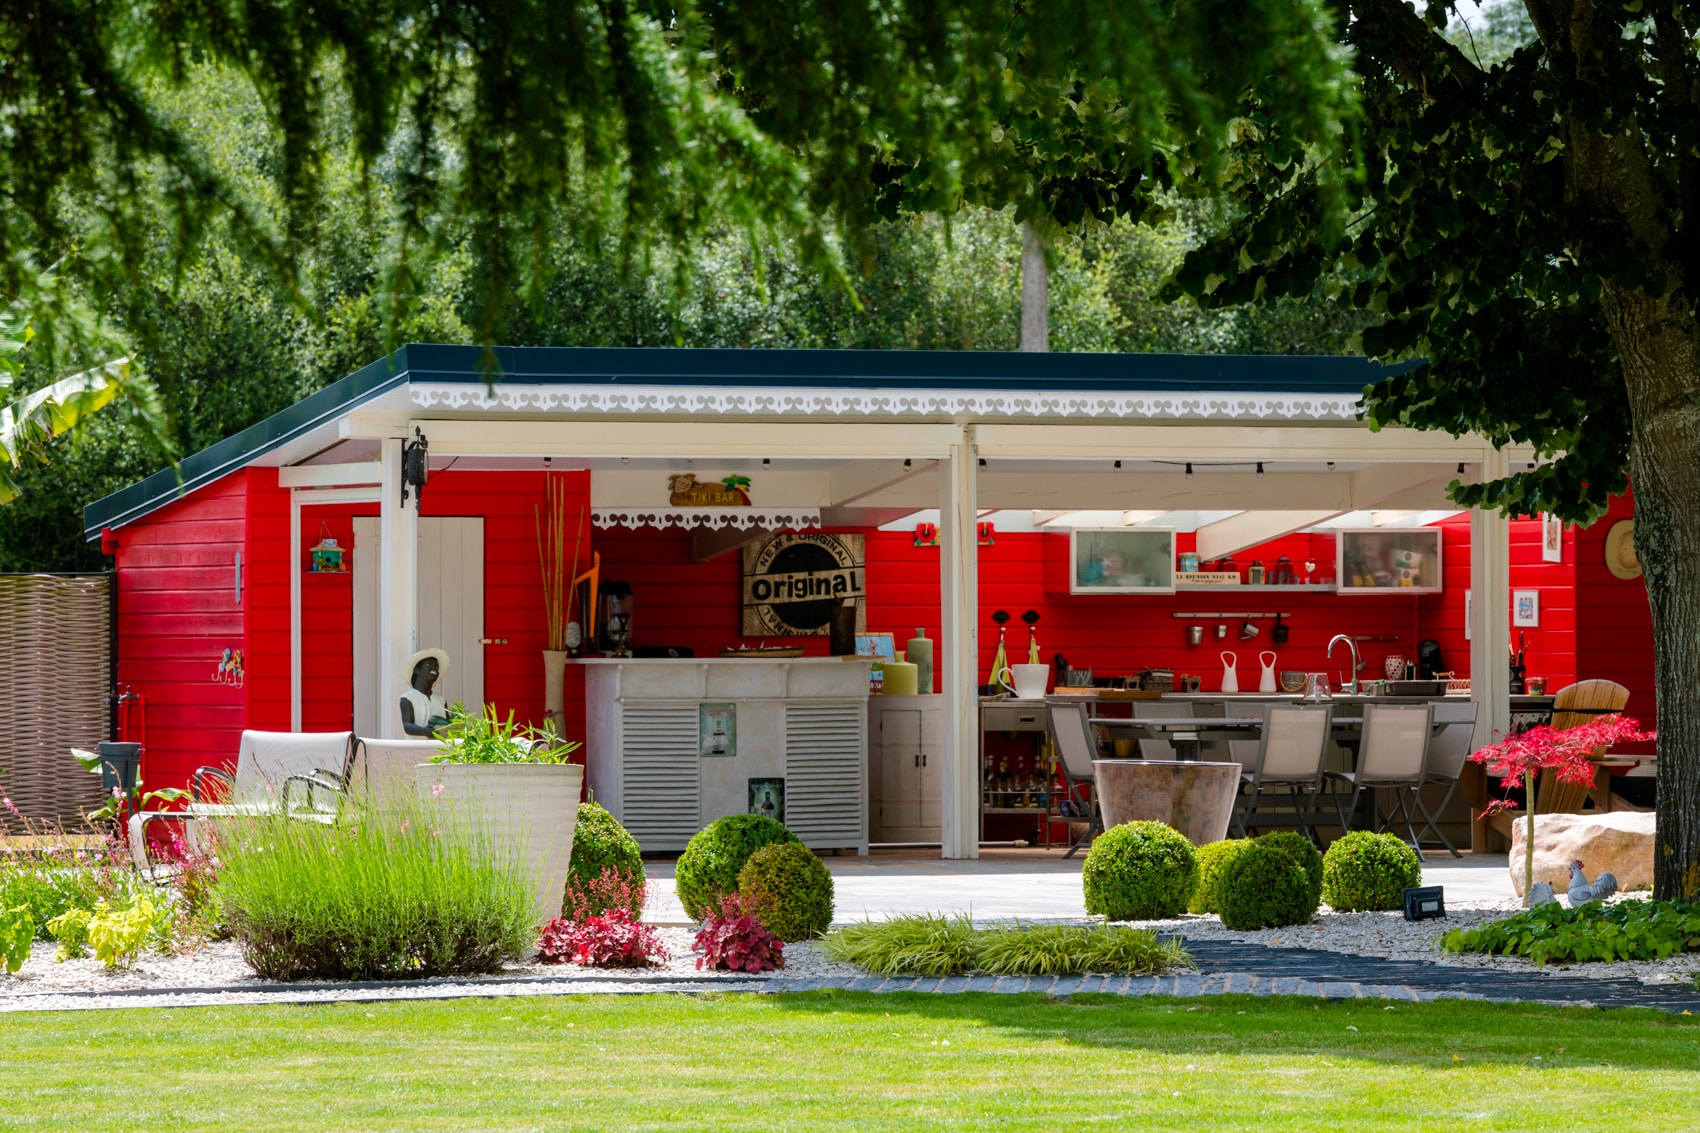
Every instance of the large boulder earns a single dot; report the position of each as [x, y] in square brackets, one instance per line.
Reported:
[1619, 843]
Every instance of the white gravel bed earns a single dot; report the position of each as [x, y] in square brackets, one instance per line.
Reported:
[1390, 936]
[220, 965]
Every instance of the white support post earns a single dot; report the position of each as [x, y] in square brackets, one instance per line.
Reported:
[959, 598]
[294, 611]
[398, 585]
[1490, 610]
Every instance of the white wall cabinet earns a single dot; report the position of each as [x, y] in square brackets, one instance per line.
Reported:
[1121, 560]
[1389, 560]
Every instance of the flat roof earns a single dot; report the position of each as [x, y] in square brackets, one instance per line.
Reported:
[603, 367]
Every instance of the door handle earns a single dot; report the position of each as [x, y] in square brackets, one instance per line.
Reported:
[917, 760]
[492, 641]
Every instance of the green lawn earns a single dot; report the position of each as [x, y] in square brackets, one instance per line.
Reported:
[842, 1060]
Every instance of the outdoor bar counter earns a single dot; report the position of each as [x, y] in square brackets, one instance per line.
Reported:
[675, 743]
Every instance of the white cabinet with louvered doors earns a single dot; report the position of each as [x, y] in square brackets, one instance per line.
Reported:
[674, 743]
[905, 767]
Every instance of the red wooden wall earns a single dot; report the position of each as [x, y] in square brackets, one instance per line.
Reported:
[178, 608]
[177, 613]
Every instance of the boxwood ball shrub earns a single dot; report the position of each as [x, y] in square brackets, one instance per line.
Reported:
[1264, 887]
[708, 869]
[600, 843]
[1365, 871]
[1303, 851]
[1139, 871]
[1214, 860]
[786, 888]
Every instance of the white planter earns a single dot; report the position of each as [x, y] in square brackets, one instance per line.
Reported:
[529, 805]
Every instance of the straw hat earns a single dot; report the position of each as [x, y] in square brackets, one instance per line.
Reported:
[1620, 550]
[442, 656]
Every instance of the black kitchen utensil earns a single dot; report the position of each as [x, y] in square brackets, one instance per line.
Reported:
[1281, 631]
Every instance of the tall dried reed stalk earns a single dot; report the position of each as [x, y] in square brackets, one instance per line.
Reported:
[551, 521]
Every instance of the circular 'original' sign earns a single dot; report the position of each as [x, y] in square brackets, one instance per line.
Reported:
[794, 582]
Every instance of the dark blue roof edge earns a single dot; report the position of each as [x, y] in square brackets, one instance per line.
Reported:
[202, 468]
[822, 369]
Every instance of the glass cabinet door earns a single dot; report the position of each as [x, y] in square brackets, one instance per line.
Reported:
[1121, 560]
[1381, 560]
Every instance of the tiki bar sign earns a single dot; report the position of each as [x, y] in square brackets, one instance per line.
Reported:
[795, 582]
[684, 491]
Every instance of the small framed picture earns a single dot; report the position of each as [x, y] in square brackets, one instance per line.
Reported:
[1526, 607]
[881, 645]
[717, 730]
[1552, 538]
[767, 798]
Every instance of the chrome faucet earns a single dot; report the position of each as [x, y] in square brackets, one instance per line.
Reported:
[1350, 685]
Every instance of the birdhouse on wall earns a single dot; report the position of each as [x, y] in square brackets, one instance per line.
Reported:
[327, 556]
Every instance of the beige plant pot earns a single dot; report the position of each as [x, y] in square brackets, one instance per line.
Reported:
[522, 808]
[554, 688]
[1194, 798]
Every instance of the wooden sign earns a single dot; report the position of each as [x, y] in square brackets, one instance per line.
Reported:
[684, 491]
[795, 583]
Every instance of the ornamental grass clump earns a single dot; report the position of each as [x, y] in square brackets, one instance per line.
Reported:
[1020, 949]
[925, 944]
[386, 893]
[786, 888]
[1264, 887]
[1368, 872]
[708, 870]
[1139, 871]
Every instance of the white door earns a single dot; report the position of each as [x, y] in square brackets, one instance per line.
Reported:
[451, 610]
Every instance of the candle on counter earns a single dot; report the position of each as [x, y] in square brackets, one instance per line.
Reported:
[900, 678]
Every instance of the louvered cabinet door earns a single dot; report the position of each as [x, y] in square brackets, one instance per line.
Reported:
[825, 784]
[662, 792]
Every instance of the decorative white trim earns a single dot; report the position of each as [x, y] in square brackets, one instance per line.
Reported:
[670, 401]
[708, 518]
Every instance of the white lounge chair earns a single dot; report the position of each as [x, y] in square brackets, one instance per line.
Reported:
[288, 771]
[384, 769]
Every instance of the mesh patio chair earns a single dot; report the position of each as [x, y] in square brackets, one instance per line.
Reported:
[1289, 754]
[1071, 735]
[1391, 757]
[1158, 709]
[273, 770]
[384, 769]
[1449, 748]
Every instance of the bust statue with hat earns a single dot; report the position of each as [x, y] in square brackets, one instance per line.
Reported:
[423, 709]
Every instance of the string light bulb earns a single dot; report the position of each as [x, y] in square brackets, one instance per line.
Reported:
[1118, 466]
[1189, 470]
[1260, 470]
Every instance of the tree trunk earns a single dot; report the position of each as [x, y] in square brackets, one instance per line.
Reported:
[1656, 341]
[1035, 292]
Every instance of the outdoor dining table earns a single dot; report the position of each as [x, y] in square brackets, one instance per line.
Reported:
[1186, 733]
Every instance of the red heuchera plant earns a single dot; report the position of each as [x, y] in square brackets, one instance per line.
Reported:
[602, 894]
[614, 940]
[736, 941]
[1568, 753]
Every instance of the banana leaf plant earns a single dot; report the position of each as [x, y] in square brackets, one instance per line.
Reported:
[122, 802]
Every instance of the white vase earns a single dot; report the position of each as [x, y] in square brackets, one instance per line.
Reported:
[533, 806]
[554, 694]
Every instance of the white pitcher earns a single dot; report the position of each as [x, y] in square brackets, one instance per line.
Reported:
[1267, 682]
[1230, 677]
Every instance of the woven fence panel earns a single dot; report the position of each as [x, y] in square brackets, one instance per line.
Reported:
[55, 681]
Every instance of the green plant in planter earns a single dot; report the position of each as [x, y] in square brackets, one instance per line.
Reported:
[601, 844]
[71, 930]
[1365, 871]
[1304, 853]
[1214, 860]
[786, 888]
[1265, 887]
[1139, 871]
[487, 738]
[708, 869]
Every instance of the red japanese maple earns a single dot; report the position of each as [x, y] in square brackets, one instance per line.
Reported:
[1568, 753]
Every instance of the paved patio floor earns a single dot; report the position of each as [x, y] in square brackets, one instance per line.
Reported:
[1020, 883]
